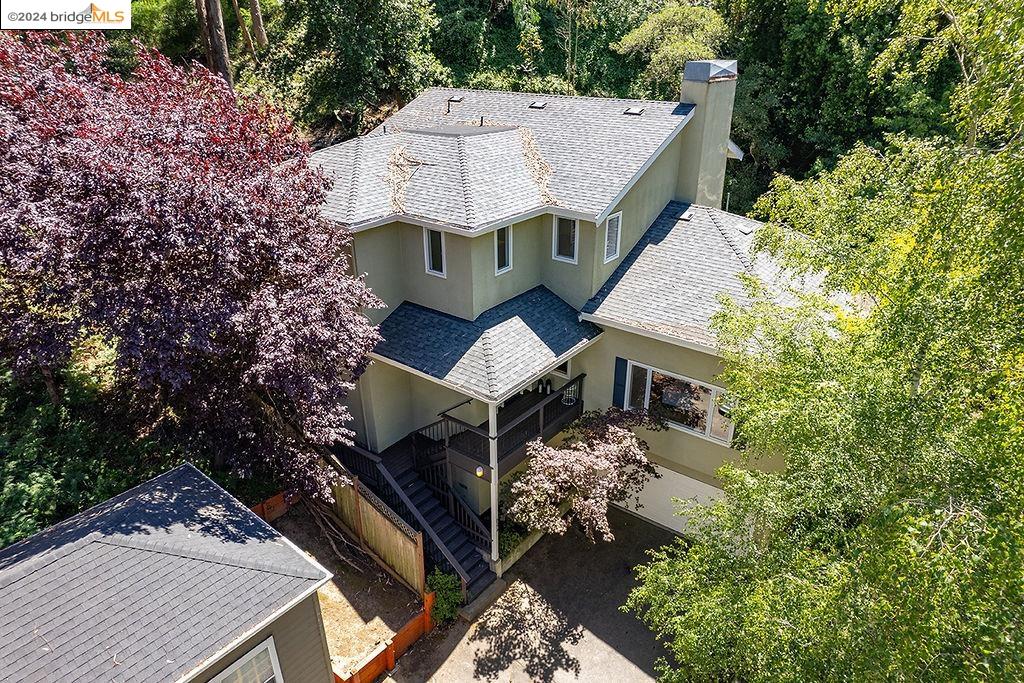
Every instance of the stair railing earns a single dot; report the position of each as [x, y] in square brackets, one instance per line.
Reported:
[369, 467]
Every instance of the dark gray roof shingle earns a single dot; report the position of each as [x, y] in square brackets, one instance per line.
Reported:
[145, 586]
[470, 176]
[503, 348]
[671, 281]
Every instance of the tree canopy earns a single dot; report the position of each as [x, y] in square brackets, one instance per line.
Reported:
[180, 225]
[890, 546]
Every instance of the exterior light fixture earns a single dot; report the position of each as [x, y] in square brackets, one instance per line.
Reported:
[479, 471]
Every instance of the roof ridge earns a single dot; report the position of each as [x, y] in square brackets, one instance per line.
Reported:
[488, 353]
[467, 197]
[209, 556]
[548, 94]
[744, 259]
[108, 506]
[353, 186]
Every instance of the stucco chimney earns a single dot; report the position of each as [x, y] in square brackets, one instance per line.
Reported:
[710, 85]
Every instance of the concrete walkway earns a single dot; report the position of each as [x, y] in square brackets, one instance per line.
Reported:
[559, 620]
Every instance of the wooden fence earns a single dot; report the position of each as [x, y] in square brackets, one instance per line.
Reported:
[394, 544]
[382, 658]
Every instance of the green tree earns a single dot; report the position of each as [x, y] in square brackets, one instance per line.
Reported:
[667, 39]
[335, 61]
[890, 545]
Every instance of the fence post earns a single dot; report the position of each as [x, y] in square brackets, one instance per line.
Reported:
[422, 563]
[428, 608]
[359, 511]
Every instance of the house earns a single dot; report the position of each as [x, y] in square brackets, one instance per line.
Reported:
[538, 254]
[173, 580]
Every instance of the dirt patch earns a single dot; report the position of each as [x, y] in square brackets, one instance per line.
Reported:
[360, 608]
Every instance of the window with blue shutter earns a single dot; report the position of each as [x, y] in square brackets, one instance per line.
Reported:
[619, 391]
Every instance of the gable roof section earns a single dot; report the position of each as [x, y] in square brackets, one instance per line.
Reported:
[670, 282]
[492, 356]
[149, 585]
[575, 156]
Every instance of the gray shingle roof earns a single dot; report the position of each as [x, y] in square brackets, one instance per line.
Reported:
[671, 281]
[576, 153]
[144, 587]
[503, 348]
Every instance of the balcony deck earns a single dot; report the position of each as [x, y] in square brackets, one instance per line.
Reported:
[523, 418]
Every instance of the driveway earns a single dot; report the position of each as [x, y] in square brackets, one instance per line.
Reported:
[559, 620]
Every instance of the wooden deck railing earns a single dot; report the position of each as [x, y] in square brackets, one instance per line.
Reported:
[544, 419]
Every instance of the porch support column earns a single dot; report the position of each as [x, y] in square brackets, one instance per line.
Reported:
[492, 442]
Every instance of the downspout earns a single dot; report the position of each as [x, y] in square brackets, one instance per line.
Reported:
[492, 442]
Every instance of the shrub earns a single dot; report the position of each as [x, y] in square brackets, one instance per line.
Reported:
[447, 595]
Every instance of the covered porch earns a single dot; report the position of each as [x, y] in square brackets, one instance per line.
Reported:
[455, 402]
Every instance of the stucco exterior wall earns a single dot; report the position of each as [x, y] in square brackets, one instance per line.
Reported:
[387, 406]
[300, 643]
[675, 449]
[490, 290]
[574, 282]
[640, 206]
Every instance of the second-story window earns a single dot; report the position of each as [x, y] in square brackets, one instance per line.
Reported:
[612, 236]
[433, 251]
[565, 240]
[503, 250]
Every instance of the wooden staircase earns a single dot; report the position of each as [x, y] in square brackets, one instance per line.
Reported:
[449, 545]
[452, 535]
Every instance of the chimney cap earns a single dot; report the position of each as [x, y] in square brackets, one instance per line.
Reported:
[708, 70]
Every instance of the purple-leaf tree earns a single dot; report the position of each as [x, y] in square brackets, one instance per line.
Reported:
[180, 223]
[601, 461]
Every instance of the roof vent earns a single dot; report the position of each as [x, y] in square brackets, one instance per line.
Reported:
[687, 215]
[538, 104]
[634, 111]
[746, 228]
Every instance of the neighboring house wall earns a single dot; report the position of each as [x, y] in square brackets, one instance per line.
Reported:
[300, 643]
[681, 451]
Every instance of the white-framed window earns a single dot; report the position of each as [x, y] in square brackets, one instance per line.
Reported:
[565, 239]
[684, 403]
[503, 250]
[612, 236]
[563, 369]
[433, 252]
[258, 665]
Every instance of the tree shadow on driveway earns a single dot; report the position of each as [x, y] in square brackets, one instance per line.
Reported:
[523, 627]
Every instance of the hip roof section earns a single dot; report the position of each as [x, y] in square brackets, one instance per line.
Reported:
[671, 282]
[504, 348]
[471, 159]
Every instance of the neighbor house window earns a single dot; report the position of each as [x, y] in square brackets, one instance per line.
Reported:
[682, 402]
[565, 239]
[562, 370]
[612, 236]
[433, 251]
[503, 250]
[258, 665]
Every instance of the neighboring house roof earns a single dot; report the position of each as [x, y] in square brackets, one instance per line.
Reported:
[493, 356]
[147, 586]
[575, 156]
[670, 282]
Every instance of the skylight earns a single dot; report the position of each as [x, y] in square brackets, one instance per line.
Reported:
[634, 111]
[455, 98]
[538, 104]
